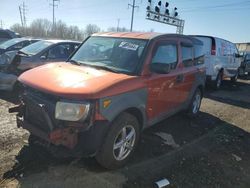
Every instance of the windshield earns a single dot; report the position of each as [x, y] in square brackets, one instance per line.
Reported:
[11, 42]
[117, 54]
[36, 47]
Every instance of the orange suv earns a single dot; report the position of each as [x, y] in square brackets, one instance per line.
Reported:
[113, 87]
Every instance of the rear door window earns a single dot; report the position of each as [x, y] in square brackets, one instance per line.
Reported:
[61, 51]
[187, 54]
[198, 54]
[167, 54]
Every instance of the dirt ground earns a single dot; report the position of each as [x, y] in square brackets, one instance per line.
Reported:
[212, 150]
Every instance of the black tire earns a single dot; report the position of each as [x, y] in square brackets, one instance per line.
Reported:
[107, 155]
[234, 79]
[193, 110]
[217, 83]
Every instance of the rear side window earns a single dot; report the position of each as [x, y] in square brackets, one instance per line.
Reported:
[166, 53]
[187, 55]
[4, 35]
[198, 54]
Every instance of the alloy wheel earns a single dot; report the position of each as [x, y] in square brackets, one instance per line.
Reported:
[124, 142]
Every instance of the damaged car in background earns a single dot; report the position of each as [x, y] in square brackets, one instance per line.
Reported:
[39, 53]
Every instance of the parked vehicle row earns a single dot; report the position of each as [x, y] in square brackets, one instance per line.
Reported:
[221, 58]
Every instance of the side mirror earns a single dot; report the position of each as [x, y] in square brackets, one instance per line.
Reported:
[160, 68]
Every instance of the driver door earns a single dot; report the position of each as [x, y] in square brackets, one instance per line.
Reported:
[163, 88]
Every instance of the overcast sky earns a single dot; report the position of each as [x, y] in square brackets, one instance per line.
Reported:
[229, 19]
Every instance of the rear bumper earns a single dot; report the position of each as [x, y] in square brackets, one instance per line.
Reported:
[7, 81]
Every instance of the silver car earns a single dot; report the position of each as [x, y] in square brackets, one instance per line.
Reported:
[39, 53]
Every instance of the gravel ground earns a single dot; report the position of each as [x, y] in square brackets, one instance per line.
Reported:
[212, 150]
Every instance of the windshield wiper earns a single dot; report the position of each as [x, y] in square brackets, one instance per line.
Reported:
[104, 68]
[74, 62]
[91, 65]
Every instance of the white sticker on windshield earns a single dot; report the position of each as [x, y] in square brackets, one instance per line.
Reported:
[129, 46]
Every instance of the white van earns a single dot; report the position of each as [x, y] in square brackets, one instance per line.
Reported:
[221, 59]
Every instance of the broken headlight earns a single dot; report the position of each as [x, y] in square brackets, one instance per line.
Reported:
[72, 111]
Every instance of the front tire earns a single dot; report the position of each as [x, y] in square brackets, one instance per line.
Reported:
[120, 142]
[234, 79]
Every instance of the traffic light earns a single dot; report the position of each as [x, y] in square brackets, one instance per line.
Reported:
[157, 9]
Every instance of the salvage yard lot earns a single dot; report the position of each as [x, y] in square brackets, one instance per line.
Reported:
[212, 150]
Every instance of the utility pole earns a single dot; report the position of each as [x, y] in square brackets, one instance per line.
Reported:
[53, 7]
[118, 24]
[133, 11]
[24, 15]
[21, 16]
[23, 11]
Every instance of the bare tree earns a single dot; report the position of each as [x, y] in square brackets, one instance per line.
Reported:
[18, 28]
[90, 29]
[40, 28]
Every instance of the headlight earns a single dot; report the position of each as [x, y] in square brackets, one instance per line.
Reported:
[71, 111]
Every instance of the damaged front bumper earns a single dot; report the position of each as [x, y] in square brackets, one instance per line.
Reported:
[72, 137]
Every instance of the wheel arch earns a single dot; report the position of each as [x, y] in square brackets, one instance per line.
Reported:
[138, 114]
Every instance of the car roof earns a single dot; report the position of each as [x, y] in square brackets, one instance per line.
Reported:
[216, 38]
[143, 35]
[138, 35]
[61, 41]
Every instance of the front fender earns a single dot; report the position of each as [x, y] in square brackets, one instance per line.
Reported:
[119, 103]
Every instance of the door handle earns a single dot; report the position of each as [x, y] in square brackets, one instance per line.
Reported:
[180, 78]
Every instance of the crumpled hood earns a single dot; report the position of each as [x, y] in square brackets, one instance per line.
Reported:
[72, 81]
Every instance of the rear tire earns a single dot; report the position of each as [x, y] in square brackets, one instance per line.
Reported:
[234, 79]
[120, 142]
[194, 106]
[218, 81]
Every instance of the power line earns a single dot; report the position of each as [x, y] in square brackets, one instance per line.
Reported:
[132, 16]
[53, 7]
[202, 8]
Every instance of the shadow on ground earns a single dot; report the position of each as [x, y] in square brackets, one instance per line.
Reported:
[205, 137]
[236, 94]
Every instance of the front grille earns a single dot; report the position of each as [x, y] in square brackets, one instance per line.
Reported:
[40, 109]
